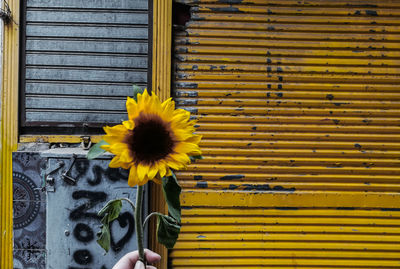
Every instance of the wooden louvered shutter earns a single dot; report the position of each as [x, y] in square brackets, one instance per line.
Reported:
[298, 103]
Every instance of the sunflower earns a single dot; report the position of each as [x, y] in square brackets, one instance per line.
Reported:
[155, 138]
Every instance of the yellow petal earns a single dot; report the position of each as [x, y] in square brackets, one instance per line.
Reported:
[142, 171]
[188, 148]
[157, 180]
[126, 156]
[129, 124]
[106, 147]
[195, 139]
[115, 163]
[117, 130]
[118, 148]
[152, 171]
[133, 178]
[131, 108]
[162, 169]
[112, 139]
[181, 158]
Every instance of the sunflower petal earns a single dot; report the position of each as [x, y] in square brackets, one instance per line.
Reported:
[131, 108]
[117, 130]
[129, 124]
[126, 156]
[142, 171]
[188, 148]
[133, 178]
[118, 148]
[115, 163]
[152, 171]
[112, 139]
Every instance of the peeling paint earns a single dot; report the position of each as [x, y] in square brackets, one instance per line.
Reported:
[232, 177]
[371, 13]
[266, 187]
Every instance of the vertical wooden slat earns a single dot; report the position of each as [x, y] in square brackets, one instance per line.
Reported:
[161, 84]
[9, 131]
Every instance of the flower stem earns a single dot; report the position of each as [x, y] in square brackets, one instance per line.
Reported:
[138, 223]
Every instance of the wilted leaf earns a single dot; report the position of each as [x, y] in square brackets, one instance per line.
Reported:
[172, 190]
[104, 237]
[95, 151]
[167, 231]
[109, 213]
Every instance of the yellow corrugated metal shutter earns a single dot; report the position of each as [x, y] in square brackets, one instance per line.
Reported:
[299, 106]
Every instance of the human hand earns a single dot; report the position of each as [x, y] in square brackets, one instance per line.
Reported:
[131, 260]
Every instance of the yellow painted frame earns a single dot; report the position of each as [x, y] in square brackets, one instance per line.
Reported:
[161, 85]
[9, 131]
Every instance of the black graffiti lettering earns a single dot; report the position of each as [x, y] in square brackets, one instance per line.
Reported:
[83, 233]
[83, 257]
[93, 199]
[81, 166]
[116, 174]
[125, 219]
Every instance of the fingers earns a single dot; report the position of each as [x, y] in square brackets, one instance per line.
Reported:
[151, 256]
[139, 265]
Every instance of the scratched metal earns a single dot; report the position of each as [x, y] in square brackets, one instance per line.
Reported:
[77, 53]
[299, 107]
[57, 229]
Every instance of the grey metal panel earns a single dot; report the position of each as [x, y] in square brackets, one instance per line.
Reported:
[85, 49]
[85, 16]
[77, 89]
[87, 45]
[66, 102]
[85, 60]
[55, 225]
[74, 31]
[77, 117]
[86, 75]
[72, 220]
[91, 4]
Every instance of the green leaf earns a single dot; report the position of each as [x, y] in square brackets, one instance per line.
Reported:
[111, 210]
[109, 213]
[136, 91]
[172, 190]
[167, 230]
[95, 151]
[104, 237]
[194, 158]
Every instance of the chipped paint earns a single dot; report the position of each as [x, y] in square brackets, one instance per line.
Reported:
[300, 132]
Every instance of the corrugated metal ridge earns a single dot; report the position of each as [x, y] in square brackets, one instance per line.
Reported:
[298, 105]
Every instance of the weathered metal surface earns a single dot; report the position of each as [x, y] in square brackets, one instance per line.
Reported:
[55, 225]
[299, 107]
[81, 49]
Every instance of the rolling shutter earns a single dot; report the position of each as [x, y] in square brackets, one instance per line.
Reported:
[298, 105]
[80, 60]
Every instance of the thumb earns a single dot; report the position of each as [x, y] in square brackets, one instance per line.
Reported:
[140, 265]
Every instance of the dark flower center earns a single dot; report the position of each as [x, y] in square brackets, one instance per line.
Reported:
[151, 139]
